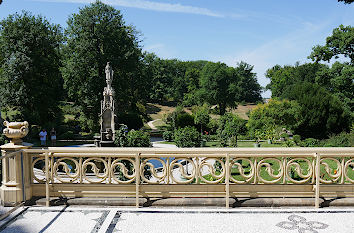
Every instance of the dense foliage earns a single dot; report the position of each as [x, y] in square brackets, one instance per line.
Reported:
[30, 80]
[322, 114]
[187, 137]
[95, 36]
[271, 117]
[230, 126]
[132, 138]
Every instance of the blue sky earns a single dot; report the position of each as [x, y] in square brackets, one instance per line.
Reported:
[259, 32]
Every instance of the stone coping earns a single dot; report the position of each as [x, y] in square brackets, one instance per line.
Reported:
[198, 202]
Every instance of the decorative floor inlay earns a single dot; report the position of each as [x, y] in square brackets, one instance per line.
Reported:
[301, 224]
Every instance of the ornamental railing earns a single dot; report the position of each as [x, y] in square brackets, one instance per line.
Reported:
[214, 172]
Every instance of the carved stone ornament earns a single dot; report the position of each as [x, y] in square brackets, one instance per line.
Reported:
[15, 131]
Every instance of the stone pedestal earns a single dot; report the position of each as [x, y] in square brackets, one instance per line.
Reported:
[15, 186]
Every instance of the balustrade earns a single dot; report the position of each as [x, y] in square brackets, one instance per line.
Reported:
[215, 172]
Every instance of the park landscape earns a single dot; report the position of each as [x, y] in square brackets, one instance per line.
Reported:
[225, 132]
[48, 83]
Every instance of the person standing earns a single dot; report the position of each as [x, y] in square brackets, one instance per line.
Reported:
[53, 137]
[43, 137]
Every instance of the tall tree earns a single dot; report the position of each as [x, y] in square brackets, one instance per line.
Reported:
[30, 80]
[250, 90]
[322, 113]
[95, 36]
[219, 86]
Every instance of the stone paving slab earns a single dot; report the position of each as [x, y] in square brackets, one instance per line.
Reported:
[178, 220]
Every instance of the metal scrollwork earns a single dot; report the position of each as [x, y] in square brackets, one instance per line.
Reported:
[349, 165]
[66, 175]
[148, 167]
[119, 163]
[270, 170]
[183, 170]
[235, 164]
[333, 175]
[39, 173]
[293, 167]
[217, 178]
[98, 177]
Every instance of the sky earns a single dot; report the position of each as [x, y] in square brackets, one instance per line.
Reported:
[259, 32]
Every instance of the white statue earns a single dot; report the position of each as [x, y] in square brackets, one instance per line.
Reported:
[109, 76]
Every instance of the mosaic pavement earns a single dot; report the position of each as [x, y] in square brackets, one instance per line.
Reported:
[86, 219]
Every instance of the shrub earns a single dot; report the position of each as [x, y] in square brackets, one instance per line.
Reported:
[168, 136]
[310, 142]
[340, 140]
[138, 138]
[179, 119]
[187, 137]
[133, 138]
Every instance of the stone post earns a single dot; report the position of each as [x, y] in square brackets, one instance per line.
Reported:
[15, 186]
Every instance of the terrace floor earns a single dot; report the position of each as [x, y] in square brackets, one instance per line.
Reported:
[130, 220]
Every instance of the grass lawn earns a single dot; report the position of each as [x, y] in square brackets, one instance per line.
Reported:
[240, 144]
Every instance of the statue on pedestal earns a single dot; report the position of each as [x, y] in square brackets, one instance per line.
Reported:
[107, 110]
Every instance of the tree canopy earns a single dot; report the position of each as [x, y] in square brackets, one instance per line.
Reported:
[30, 80]
[322, 113]
[95, 36]
[339, 43]
[274, 115]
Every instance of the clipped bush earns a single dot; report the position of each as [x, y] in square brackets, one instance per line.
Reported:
[168, 136]
[187, 137]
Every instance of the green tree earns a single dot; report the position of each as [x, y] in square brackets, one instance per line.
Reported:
[339, 80]
[250, 90]
[230, 126]
[95, 36]
[30, 80]
[191, 78]
[322, 113]
[339, 43]
[219, 86]
[202, 117]
[282, 77]
[276, 114]
[187, 137]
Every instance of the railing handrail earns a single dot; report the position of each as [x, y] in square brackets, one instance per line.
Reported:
[337, 151]
[12, 154]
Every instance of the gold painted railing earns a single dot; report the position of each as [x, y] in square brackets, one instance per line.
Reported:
[215, 172]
